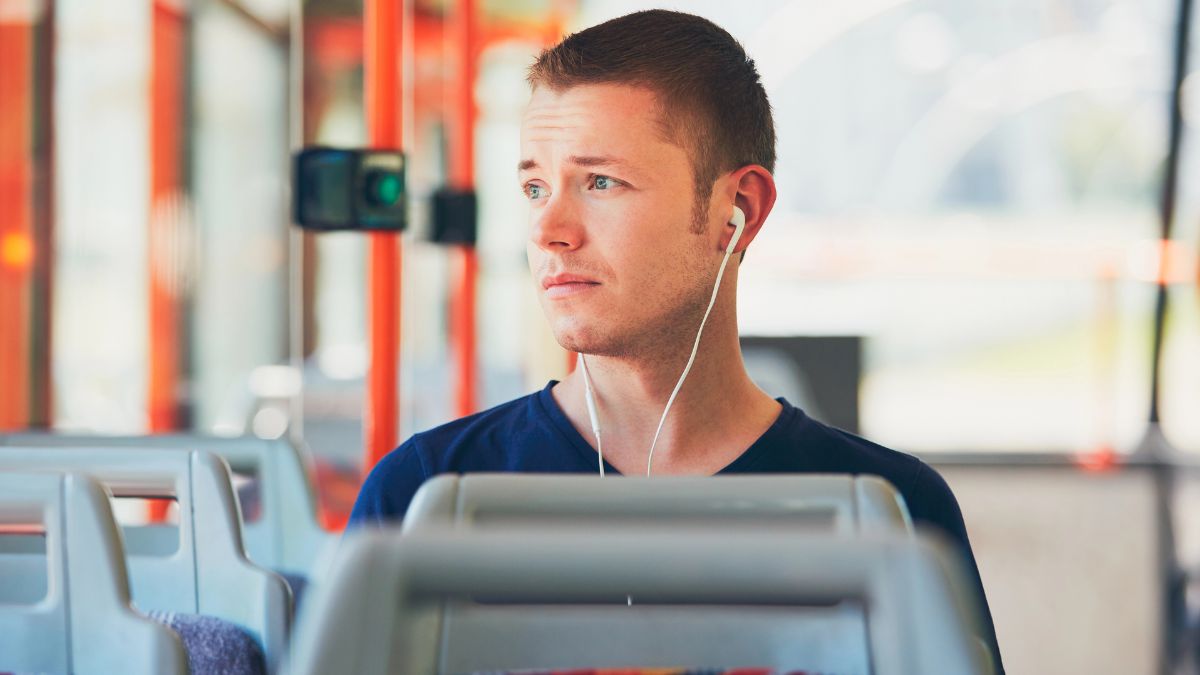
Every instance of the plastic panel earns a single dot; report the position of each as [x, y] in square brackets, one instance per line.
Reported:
[848, 504]
[209, 573]
[85, 624]
[396, 604]
[287, 537]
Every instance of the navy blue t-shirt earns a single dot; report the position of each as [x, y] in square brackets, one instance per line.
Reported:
[532, 435]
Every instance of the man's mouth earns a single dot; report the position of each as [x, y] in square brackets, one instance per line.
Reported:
[563, 285]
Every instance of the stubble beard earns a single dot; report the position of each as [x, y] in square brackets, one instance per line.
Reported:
[665, 334]
[662, 335]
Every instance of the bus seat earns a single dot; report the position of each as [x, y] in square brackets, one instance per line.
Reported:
[841, 503]
[286, 536]
[505, 600]
[199, 567]
[75, 616]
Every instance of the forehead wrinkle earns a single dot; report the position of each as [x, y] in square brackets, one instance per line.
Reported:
[571, 117]
[551, 121]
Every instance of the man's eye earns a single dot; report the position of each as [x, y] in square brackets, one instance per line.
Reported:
[534, 191]
[603, 183]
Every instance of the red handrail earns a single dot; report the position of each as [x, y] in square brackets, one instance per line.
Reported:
[462, 30]
[381, 70]
[166, 189]
[16, 225]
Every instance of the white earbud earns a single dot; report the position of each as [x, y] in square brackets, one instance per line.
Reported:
[738, 220]
[739, 223]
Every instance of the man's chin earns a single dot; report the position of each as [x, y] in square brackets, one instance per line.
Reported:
[582, 339]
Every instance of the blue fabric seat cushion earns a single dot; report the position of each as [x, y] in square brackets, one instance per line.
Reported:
[214, 646]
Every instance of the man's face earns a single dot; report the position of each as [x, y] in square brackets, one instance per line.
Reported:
[615, 255]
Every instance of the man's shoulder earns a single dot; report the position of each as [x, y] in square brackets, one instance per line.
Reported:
[830, 449]
[464, 444]
[516, 413]
[840, 451]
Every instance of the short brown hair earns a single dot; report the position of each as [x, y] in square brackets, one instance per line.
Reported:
[714, 102]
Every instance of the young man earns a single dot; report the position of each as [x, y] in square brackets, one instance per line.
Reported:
[642, 136]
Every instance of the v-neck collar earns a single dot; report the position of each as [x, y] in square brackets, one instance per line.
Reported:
[743, 463]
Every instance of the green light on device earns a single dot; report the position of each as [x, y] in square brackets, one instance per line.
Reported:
[384, 188]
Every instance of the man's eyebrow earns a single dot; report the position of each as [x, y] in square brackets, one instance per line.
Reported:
[578, 160]
[586, 160]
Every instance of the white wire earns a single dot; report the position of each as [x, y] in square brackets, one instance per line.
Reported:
[589, 397]
[592, 416]
[691, 359]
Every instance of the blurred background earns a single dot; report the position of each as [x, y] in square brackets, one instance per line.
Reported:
[984, 253]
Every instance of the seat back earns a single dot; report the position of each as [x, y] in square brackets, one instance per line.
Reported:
[286, 536]
[80, 620]
[200, 567]
[841, 503]
[509, 599]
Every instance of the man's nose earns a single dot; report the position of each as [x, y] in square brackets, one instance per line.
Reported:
[557, 226]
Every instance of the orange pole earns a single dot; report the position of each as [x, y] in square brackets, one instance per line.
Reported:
[166, 184]
[462, 29]
[166, 115]
[16, 218]
[381, 27]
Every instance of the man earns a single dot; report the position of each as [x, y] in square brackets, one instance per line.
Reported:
[641, 136]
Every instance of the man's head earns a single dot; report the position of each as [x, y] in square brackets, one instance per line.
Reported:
[641, 135]
[711, 100]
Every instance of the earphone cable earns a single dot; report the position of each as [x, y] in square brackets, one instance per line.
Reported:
[591, 406]
[691, 359]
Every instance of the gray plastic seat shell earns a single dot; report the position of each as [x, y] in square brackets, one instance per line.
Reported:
[85, 625]
[208, 573]
[287, 537]
[857, 504]
[389, 605]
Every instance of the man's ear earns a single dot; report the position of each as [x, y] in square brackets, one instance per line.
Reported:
[753, 191]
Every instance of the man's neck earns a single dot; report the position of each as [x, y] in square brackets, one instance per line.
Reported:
[718, 413]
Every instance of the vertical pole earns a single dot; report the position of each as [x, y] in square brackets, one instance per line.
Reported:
[16, 214]
[1154, 445]
[462, 29]
[1168, 193]
[297, 310]
[166, 115]
[41, 390]
[381, 28]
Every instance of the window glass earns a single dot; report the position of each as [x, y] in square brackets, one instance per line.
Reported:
[971, 188]
[1180, 373]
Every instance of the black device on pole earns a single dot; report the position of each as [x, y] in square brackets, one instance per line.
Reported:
[455, 217]
[349, 189]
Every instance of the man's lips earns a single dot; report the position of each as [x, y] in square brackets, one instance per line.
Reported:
[563, 285]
